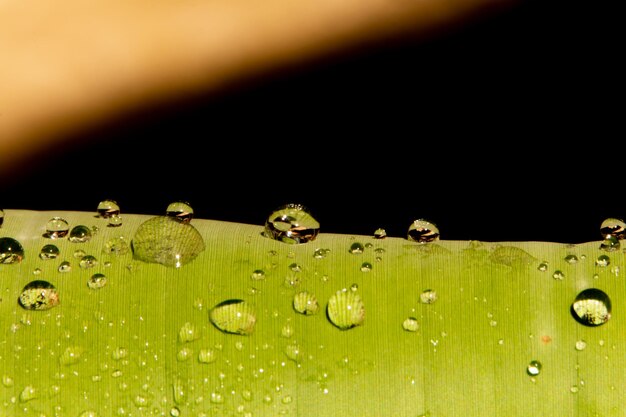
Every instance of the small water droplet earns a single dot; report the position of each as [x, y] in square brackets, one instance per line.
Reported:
[184, 354]
[179, 391]
[428, 296]
[56, 228]
[175, 412]
[613, 227]
[180, 210]
[410, 324]
[233, 316]
[188, 333]
[581, 345]
[558, 275]
[571, 259]
[116, 246]
[345, 309]
[356, 248]
[305, 303]
[28, 393]
[292, 223]
[543, 267]
[207, 356]
[65, 267]
[119, 353]
[79, 253]
[592, 307]
[166, 241]
[108, 208]
[366, 267]
[423, 231]
[97, 281]
[354, 287]
[287, 331]
[49, 252]
[88, 261]
[115, 221]
[533, 368]
[610, 244]
[380, 233]
[80, 234]
[7, 381]
[320, 253]
[38, 295]
[295, 267]
[71, 355]
[37, 271]
[217, 398]
[258, 275]
[141, 401]
[603, 261]
[11, 251]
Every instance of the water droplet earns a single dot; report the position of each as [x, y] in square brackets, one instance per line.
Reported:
[115, 221]
[88, 261]
[11, 251]
[511, 256]
[188, 333]
[292, 223]
[184, 354]
[207, 356]
[574, 389]
[233, 316]
[65, 267]
[295, 267]
[80, 234]
[28, 393]
[97, 281]
[571, 259]
[287, 331]
[558, 275]
[38, 295]
[166, 241]
[581, 345]
[345, 309]
[320, 253]
[7, 381]
[56, 228]
[119, 353]
[175, 412]
[108, 208]
[116, 246]
[613, 227]
[534, 368]
[216, 398]
[380, 233]
[79, 253]
[305, 303]
[71, 355]
[141, 401]
[179, 391]
[366, 267]
[543, 267]
[428, 296]
[592, 307]
[410, 324]
[49, 252]
[356, 248]
[423, 231]
[180, 210]
[603, 260]
[258, 275]
[610, 244]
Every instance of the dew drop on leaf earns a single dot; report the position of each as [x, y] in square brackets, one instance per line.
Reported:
[88, 261]
[49, 252]
[603, 260]
[610, 244]
[533, 368]
[428, 296]
[64, 267]
[108, 208]
[38, 295]
[80, 234]
[410, 324]
[11, 251]
[305, 303]
[292, 223]
[592, 307]
[97, 281]
[345, 309]
[233, 316]
[613, 227]
[356, 248]
[423, 231]
[180, 210]
[380, 233]
[56, 228]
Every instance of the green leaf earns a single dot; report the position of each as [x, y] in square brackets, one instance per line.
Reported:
[449, 329]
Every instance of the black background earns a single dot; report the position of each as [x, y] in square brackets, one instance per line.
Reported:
[508, 128]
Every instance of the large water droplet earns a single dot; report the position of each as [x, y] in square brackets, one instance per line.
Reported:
[533, 368]
[356, 248]
[180, 210]
[292, 223]
[166, 241]
[305, 303]
[80, 234]
[592, 307]
[49, 252]
[11, 251]
[233, 316]
[97, 281]
[38, 295]
[613, 227]
[56, 228]
[610, 244]
[423, 231]
[345, 309]
[108, 208]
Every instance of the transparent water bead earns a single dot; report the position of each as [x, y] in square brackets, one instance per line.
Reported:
[38, 295]
[380, 233]
[428, 296]
[49, 252]
[116, 246]
[115, 221]
[56, 228]
[88, 261]
[80, 234]
[603, 261]
[166, 241]
[356, 248]
[592, 307]
[97, 281]
[305, 303]
[11, 251]
[533, 368]
[292, 223]
[345, 309]
[610, 244]
[423, 231]
[410, 324]
[65, 266]
[180, 210]
[108, 208]
[233, 316]
[613, 227]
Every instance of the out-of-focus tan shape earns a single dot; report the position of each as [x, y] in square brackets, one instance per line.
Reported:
[66, 65]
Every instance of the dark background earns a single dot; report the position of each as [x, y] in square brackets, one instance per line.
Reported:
[507, 128]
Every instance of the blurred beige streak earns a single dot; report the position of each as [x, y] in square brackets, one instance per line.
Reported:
[66, 65]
